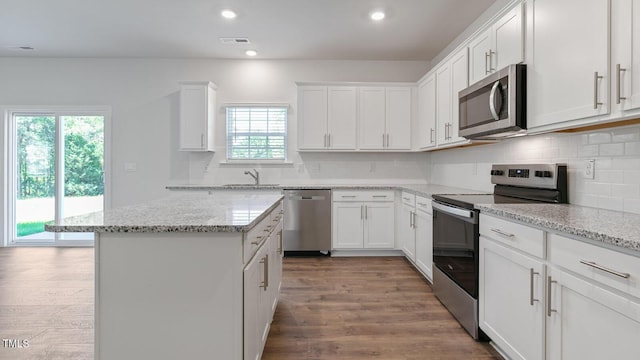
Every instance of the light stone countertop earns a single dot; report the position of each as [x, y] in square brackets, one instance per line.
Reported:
[606, 226]
[218, 212]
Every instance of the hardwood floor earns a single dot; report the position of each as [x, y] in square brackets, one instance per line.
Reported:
[330, 308]
[364, 308]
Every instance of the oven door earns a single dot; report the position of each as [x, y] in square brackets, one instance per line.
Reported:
[455, 245]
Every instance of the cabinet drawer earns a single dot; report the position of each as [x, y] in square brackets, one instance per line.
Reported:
[521, 237]
[255, 237]
[277, 214]
[408, 199]
[363, 195]
[423, 204]
[609, 267]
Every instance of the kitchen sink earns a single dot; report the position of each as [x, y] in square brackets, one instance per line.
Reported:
[252, 185]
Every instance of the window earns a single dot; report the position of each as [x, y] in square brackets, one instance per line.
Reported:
[257, 132]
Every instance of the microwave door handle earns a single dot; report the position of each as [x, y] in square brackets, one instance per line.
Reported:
[492, 101]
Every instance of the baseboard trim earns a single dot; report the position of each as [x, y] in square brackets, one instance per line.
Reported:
[362, 253]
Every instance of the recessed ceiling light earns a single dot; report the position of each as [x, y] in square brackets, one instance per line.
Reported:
[377, 15]
[229, 14]
[251, 53]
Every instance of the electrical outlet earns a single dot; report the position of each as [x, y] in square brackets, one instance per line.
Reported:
[590, 169]
[130, 167]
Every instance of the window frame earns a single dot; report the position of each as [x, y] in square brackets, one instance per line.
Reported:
[285, 134]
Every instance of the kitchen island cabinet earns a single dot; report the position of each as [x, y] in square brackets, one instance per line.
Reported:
[189, 277]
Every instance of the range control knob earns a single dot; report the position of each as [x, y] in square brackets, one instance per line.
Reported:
[546, 174]
[497, 172]
[538, 173]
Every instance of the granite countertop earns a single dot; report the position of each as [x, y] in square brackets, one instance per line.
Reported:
[218, 212]
[426, 190]
[609, 227]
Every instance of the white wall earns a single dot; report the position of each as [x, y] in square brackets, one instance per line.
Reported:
[617, 170]
[143, 94]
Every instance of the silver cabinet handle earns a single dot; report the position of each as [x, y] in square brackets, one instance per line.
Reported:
[486, 62]
[328, 140]
[379, 196]
[431, 135]
[414, 220]
[280, 247]
[383, 141]
[361, 212]
[619, 70]
[366, 212]
[257, 242]
[498, 231]
[531, 274]
[549, 309]
[422, 204]
[347, 196]
[492, 101]
[596, 77]
[410, 218]
[265, 262]
[491, 53]
[387, 139]
[605, 269]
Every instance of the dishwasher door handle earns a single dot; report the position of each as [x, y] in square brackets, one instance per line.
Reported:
[307, 198]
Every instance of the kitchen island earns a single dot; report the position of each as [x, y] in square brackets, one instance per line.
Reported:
[195, 276]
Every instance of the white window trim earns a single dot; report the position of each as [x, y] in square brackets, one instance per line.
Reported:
[285, 161]
[7, 184]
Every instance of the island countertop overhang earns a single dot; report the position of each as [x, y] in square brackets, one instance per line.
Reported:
[203, 212]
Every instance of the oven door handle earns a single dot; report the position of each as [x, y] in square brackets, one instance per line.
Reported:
[469, 214]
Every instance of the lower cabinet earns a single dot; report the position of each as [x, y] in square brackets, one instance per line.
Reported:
[363, 220]
[511, 310]
[406, 229]
[576, 302]
[423, 226]
[262, 281]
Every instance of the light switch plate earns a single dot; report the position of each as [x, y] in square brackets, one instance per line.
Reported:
[130, 166]
[590, 169]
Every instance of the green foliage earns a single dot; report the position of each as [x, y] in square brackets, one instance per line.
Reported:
[29, 228]
[83, 167]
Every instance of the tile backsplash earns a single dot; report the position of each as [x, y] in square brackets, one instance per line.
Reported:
[616, 152]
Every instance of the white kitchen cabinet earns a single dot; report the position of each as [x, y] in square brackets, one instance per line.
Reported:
[425, 134]
[451, 77]
[363, 220]
[500, 45]
[385, 118]
[197, 115]
[589, 321]
[625, 55]
[511, 310]
[328, 117]
[406, 229]
[423, 226]
[567, 67]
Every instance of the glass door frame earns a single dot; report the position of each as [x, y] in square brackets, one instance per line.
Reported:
[8, 219]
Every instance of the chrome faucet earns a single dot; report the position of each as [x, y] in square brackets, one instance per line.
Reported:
[255, 176]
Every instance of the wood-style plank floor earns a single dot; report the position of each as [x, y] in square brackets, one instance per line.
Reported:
[330, 308]
[364, 308]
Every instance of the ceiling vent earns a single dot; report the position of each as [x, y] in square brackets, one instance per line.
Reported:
[231, 40]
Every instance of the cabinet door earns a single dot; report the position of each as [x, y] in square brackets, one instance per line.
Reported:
[372, 118]
[196, 117]
[379, 229]
[570, 44]
[625, 56]
[253, 273]
[479, 49]
[589, 322]
[406, 232]
[459, 81]
[312, 114]
[425, 134]
[424, 242]
[347, 225]
[508, 39]
[398, 118]
[342, 116]
[443, 103]
[511, 300]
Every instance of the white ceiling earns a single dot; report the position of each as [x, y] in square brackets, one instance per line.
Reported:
[277, 29]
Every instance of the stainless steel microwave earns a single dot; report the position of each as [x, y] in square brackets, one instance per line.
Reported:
[495, 107]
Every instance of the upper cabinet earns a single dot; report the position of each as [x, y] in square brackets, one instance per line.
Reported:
[385, 118]
[498, 46]
[425, 128]
[567, 74]
[197, 115]
[451, 77]
[625, 55]
[329, 117]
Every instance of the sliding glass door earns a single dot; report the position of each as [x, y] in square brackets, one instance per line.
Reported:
[57, 171]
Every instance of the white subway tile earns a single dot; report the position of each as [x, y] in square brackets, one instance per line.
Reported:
[626, 190]
[626, 134]
[603, 163]
[612, 149]
[599, 138]
[597, 188]
[632, 148]
[584, 199]
[631, 205]
[588, 150]
[626, 163]
[631, 177]
[609, 176]
[610, 203]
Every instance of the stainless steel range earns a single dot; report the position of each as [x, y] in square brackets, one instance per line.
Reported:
[456, 232]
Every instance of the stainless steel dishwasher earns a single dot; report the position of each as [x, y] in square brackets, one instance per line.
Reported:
[307, 221]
